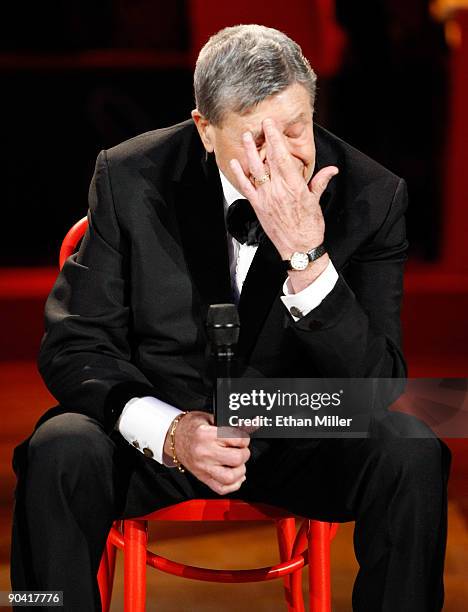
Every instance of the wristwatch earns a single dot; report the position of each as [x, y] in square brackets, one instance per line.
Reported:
[300, 261]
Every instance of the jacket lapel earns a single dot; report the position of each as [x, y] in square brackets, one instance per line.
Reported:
[262, 285]
[332, 200]
[199, 210]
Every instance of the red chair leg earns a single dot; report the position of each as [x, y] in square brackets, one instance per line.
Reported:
[106, 574]
[103, 580]
[111, 555]
[286, 532]
[319, 567]
[135, 543]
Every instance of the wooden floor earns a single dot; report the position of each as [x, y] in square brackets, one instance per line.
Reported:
[23, 398]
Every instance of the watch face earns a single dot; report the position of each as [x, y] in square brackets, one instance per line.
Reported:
[299, 261]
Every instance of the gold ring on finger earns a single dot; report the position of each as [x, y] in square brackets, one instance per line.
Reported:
[261, 179]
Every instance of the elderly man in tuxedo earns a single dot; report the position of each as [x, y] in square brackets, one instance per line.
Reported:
[318, 280]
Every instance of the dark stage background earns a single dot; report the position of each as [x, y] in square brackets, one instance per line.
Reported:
[79, 76]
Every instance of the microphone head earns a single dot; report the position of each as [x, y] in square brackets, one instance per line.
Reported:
[223, 324]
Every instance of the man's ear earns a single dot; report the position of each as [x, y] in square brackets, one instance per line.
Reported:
[204, 128]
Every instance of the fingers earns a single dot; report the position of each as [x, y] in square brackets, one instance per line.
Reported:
[225, 480]
[278, 156]
[218, 462]
[246, 187]
[256, 167]
[229, 473]
[320, 181]
[233, 457]
[239, 438]
[228, 476]
[224, 489]
[278, 161]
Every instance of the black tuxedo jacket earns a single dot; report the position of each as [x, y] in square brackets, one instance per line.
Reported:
[126, 316]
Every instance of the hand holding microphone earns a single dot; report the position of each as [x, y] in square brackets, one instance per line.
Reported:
[217, 462]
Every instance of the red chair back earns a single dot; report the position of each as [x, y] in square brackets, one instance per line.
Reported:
[71, 240]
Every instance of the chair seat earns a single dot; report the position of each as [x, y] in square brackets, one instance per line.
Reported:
[218, 510]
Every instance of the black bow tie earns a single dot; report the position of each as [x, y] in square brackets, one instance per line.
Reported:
[242, 223]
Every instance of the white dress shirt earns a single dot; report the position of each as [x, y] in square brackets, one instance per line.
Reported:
[145, 421]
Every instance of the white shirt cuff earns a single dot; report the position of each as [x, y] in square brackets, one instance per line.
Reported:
[300, 304]
[144, 423]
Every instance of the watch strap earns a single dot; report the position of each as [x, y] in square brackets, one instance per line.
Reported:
[314, 254]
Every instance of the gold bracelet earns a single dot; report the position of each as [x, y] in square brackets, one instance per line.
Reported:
[175, 460]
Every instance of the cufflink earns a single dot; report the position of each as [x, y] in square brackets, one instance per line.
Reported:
[135, 444]
[148, 452]
[296, 312]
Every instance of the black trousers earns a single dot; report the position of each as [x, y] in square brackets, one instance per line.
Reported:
[78, 480]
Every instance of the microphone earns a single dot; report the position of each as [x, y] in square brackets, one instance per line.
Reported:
[223, 328]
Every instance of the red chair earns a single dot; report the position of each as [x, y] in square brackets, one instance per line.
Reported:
[311, 544]
[71, 240]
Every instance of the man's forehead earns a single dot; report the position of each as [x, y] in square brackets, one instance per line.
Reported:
[238, 124]
[289, 106]
[299, 118]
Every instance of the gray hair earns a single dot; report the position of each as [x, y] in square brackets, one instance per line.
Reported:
[242, 65]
